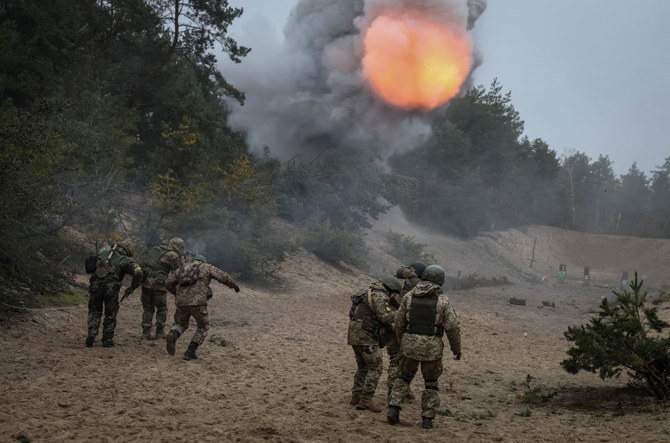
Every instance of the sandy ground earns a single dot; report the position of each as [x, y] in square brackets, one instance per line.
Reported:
[278, 367]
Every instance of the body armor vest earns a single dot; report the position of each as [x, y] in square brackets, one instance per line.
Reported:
[422, 315]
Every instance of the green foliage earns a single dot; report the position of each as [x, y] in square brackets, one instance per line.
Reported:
[532, 395]
[334, 245]
[406, 248]
[628, 336]
[70, 298]
[474, 173]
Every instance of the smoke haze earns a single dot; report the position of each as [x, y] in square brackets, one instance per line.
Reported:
[308, 93]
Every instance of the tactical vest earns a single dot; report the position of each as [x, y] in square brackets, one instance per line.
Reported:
[422, 316]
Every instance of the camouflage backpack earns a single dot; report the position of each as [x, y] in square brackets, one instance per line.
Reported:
[106, 261]
[189, 274]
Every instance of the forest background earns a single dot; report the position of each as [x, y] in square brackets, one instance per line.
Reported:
[114, 123]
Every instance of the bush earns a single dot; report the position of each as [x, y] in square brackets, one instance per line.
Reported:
[625, 337]
[334, 245]
[406, 249]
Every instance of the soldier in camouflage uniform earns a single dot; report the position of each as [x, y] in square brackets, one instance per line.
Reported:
[367, 316]
[425, 314]
[112, 264]
[409, 276]
[161, 260]
[191, 301]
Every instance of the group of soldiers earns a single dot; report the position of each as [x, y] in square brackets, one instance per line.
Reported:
[164, 269]
[408, 314]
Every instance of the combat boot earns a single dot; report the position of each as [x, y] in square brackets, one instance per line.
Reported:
[89, 340]
[146, 333]
[393, 415]
[108, 343]
[190, 352]
[159, 334]
[427, 423]
[354, 400]
[367, 403]
[171, 339]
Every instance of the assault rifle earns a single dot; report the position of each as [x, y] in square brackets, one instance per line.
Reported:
[126, 293]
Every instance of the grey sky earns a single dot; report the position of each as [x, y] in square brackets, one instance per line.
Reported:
[585, 75]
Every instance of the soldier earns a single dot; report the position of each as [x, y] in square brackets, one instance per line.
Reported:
[112, 264]
[161, 260]
[369, 314]
[190, 285]
[409, 276]
[424, 315]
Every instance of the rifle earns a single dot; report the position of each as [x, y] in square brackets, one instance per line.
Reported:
[126, 293]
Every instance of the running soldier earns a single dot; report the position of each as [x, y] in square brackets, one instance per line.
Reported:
[161, 260]
[190, 285]
[425, 314]
[112, 264]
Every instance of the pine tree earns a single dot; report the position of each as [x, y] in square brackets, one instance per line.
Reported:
[626, 336]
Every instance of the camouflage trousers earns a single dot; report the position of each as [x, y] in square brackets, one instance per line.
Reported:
[103, 296]
[393, 371]
[431, 370]
[370, 368]
[183, 315]
[154, 300]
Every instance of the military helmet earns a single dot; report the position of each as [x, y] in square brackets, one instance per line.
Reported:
[125, 246]
[392, 284]
[418, 267]
[200, 257]
[177, 244]
[433, 273]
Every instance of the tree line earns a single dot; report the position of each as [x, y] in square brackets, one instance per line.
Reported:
[114, 122]
[478, 172]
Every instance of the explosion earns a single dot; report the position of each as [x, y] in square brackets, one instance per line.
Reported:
[413, 62]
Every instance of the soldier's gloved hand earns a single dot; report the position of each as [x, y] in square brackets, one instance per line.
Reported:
[457, 356]
[236, 288]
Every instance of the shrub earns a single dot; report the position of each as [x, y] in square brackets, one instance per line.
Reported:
[334, 245]
[625, 337]
[406, 249]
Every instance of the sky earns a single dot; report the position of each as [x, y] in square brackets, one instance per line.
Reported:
[585, 75]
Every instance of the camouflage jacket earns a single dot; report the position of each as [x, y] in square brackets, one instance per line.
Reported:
[379, 297]
[160, 262]
[197, 293]
[112, 273]
[427, 347]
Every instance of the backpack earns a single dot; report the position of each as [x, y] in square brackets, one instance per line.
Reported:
[361, 310]
[188, 275]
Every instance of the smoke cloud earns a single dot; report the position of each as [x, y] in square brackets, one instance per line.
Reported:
[308, 93]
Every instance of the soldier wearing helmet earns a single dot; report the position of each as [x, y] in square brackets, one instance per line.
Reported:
[409, 276]
[370, 319]
[424, 315]
[112, 264]
[190, 286]
[161, 260]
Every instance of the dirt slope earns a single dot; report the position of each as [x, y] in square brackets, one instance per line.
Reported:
[285, 371]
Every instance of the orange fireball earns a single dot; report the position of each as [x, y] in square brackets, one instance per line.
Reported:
[415, 63]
